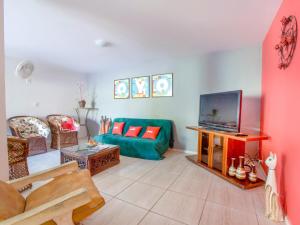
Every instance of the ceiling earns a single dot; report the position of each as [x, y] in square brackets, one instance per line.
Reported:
[62, 32]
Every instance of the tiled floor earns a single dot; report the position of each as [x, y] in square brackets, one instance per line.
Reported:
[172, 191]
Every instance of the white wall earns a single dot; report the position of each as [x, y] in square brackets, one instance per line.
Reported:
[51, 90]
[3, 144]
[240, 69]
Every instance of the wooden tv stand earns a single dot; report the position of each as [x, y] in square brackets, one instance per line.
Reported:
[208, 152]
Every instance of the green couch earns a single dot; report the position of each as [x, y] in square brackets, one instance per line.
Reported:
[139, 147]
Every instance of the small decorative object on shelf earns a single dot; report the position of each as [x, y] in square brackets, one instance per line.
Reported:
[273, 207]
[82, 102]
[287, 45]
[232, 169]
[252, 174]
[241, 172]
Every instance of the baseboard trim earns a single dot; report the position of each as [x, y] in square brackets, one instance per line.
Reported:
[184, 151]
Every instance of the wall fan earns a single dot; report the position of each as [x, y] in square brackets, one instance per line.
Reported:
[24, 69]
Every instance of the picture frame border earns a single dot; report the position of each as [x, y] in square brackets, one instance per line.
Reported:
[132, 86]
[129, 88]
[153, 85]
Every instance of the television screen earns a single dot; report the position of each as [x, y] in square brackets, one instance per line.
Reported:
[221, 111]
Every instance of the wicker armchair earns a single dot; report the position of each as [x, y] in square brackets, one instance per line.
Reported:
[17, 158]
[61, 138]
[33, 129]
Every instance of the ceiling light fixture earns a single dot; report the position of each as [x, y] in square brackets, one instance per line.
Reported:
[102, 43]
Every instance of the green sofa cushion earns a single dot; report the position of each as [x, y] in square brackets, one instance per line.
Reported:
[139, 147]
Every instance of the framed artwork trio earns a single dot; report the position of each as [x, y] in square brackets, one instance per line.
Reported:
[161, 85]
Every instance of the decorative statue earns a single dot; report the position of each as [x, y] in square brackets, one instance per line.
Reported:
[105, 123]
[273, 207]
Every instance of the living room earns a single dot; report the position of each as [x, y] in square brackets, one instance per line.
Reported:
[73, 68]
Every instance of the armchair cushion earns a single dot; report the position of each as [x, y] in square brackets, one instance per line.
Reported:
[69, 124]
[12, 202]
[28, 126]
[65, 184]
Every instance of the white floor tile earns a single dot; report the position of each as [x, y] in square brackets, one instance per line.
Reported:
[180, 207]
[142, 195]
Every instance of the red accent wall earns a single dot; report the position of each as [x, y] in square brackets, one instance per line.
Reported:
[281, 113]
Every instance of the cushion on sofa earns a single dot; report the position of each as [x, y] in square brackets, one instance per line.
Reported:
[133, 131]
[151, 132]
[118, 128]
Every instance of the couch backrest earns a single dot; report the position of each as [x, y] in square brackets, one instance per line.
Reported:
[166, 126]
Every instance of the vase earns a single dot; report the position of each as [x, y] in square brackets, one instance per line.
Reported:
[241, 172]
[232, 169]
[253, 174]
[82, 103]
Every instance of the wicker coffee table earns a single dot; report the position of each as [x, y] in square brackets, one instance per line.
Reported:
[96, 159]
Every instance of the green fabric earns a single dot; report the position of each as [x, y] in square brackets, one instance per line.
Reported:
[139, 147]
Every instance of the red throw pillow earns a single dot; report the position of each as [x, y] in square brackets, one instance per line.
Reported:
[151, 132]
[133, 131]
[118, 128]
[68, 124]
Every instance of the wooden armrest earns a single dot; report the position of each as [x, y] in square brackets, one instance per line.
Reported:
[44, 175]
[51, 210]
[17, 139]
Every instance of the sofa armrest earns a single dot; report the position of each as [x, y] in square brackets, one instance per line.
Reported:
[59, 209]
[44, 175]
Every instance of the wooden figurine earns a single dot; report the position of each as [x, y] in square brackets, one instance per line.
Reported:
[273, 207]
[105, 123]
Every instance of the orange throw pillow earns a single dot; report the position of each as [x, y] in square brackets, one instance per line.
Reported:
[118, 128]
[133, 131]
[151, 133]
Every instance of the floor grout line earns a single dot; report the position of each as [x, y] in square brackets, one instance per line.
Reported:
[171, 159]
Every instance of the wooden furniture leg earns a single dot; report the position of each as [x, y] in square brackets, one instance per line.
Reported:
[225, 152]
[210, 150]
[199, 146]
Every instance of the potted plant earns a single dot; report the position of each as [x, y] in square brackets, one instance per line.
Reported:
[82, 102]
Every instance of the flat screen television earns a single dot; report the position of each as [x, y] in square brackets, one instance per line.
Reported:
[221, 111]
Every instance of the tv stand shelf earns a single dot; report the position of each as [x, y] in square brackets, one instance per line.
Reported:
[218, 155]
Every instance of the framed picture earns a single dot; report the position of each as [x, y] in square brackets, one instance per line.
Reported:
[162, 85]
[140, 87]
[122, 89]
